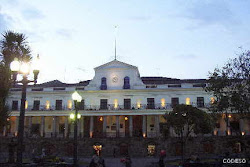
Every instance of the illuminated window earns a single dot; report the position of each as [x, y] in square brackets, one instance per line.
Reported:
[100, 118]
[47, 105]
[69, 104]
[188, 101]
[138, 104]
[212, 100]
[115, 103]
[26, 104]
[163, 102]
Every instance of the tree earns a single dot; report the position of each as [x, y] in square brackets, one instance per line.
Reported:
[231, 86]
[12, 45]
[186, 119]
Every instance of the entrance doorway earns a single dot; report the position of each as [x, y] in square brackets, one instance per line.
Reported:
[137, 126]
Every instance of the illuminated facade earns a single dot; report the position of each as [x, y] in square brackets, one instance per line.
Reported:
[117, 102]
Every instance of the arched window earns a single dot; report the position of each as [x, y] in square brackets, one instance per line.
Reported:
[103, 84]
[126, 83]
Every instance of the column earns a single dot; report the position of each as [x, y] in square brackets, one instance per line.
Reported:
[30, 125]
[228, 127]
[104, 126]
[157, 126]
[91, 127]
[223, 127]
[54, 121]
[42, 130]
[66, 126]
[4, 131]
[16, 128]
[242, 130]
[144, 125]
[130, 126]
[171, 131]
[117, 125]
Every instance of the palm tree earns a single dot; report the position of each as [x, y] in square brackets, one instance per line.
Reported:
[14, 45]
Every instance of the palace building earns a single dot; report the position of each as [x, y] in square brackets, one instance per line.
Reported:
[117, 102]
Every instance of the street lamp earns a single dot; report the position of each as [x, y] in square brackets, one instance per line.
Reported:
[77, 99]
[23, 68]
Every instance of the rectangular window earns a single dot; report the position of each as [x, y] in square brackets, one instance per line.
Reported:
[36, 105]
[37, 89]
[47, 105]
[58, 88]
[200, 101]
[150, 103]
[80, 88]
[104, 104]
[127, 103]
[199, 85]
[188, 101]
[81, 105]
[26, 104]
[174, 86]
[70, 104]
[17, 89]
[151, 86]
[14, 105]
[58, 104]
[174, 101]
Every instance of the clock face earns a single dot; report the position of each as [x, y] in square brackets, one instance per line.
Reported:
[114, 79]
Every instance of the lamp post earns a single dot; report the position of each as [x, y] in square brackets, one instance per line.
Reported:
[22, 68]
[77, 99]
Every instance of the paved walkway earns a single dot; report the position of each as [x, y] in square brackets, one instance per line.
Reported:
[136, 162]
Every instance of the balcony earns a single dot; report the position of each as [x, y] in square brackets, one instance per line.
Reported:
[113, 107]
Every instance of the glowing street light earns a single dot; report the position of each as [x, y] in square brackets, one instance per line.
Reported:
[77, 99]
[23, 68]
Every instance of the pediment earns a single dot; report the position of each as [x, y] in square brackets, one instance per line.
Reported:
[115, 64]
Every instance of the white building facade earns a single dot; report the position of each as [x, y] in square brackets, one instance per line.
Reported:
[117, 102]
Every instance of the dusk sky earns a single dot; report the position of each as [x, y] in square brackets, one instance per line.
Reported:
[178, 39]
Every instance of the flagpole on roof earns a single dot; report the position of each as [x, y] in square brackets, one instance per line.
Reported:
[115, 39]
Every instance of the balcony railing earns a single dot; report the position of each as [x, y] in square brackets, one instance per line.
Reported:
[111, 107]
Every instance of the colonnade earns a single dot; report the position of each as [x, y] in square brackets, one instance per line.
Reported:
[54, 130]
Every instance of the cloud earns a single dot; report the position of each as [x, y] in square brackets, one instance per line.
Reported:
[210, 13]
[5, 22]
[65, 33]
[32, 14]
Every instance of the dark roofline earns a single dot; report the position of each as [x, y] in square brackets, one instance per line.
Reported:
[56, 83]
[145, 80]
[165, 80]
